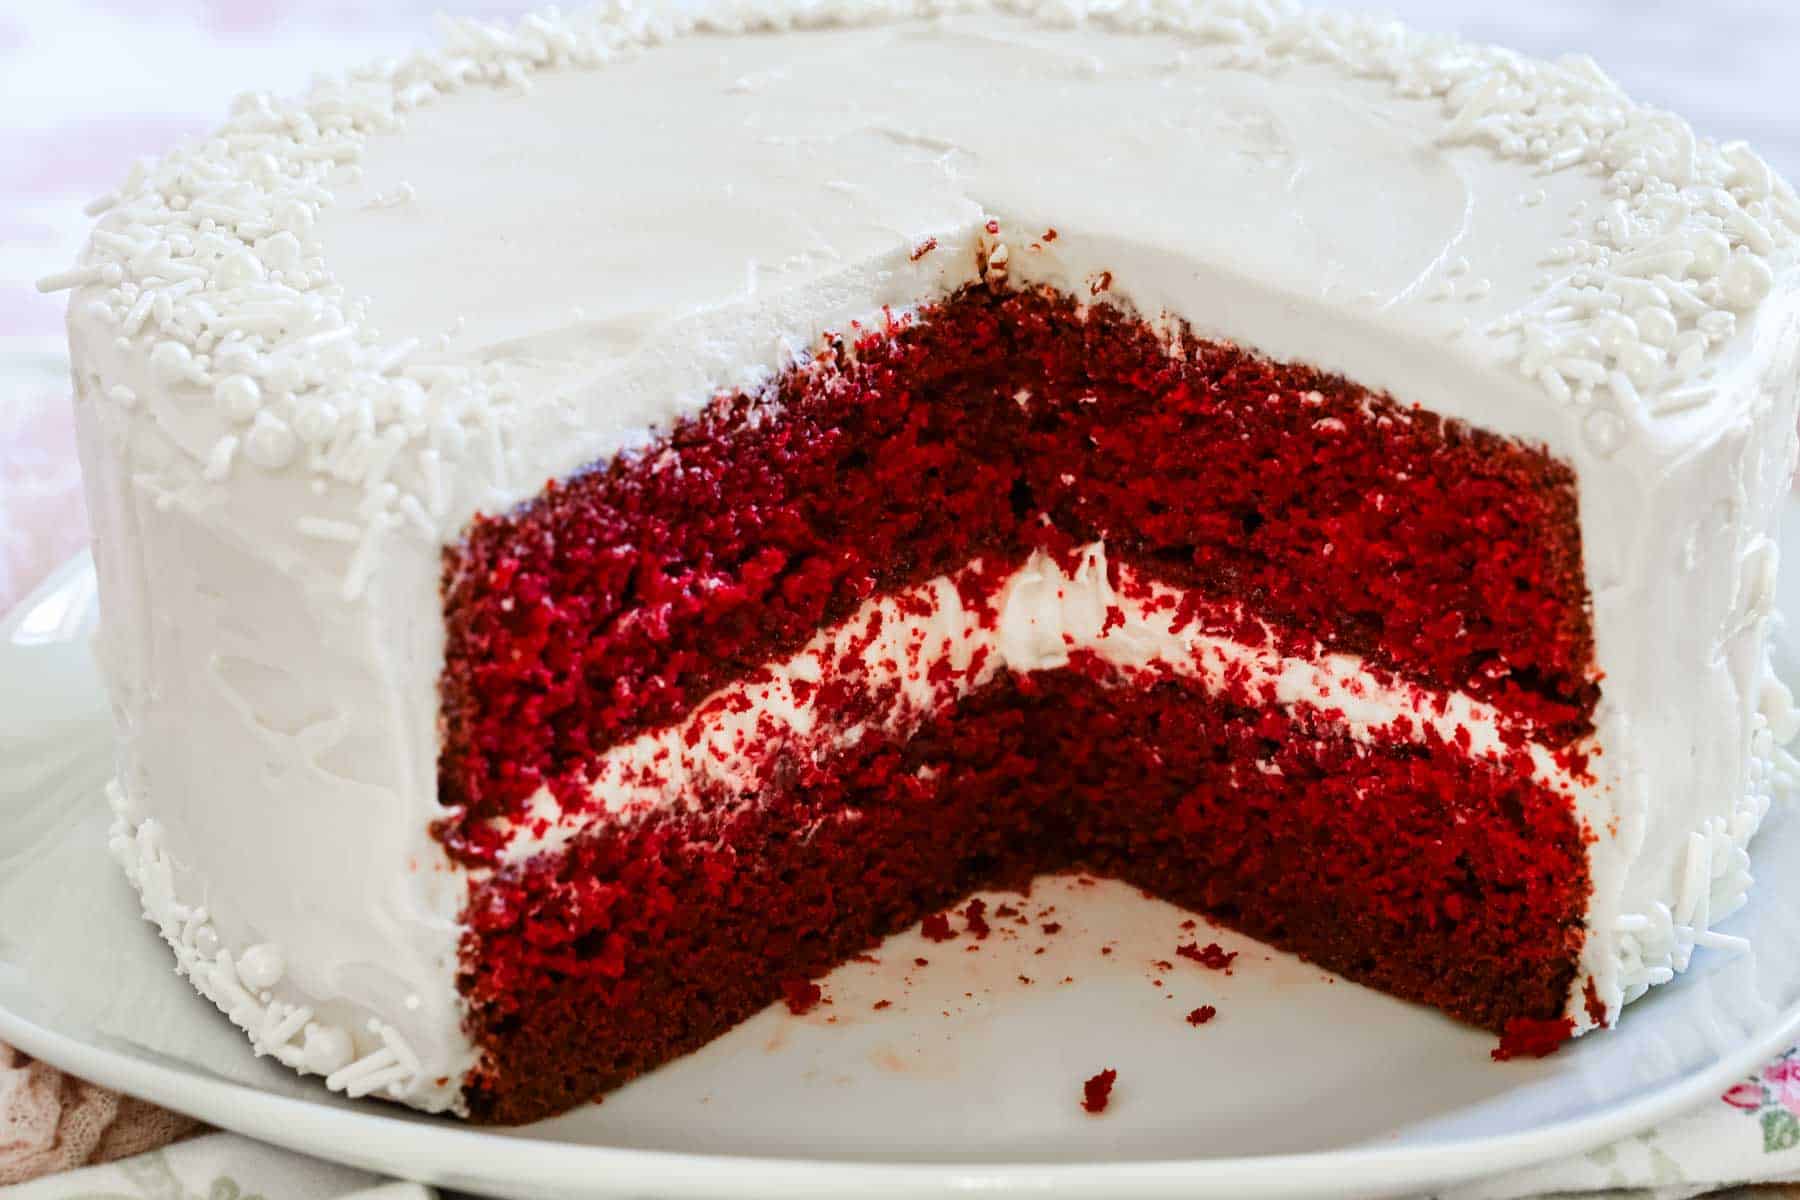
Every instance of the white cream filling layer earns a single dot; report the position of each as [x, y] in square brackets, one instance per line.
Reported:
[903, 657]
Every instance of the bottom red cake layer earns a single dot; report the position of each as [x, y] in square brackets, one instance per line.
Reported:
[1396, 861]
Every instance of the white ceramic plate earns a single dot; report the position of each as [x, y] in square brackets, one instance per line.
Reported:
[968, 1081]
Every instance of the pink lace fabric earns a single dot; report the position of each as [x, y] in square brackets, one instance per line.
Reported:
[52, 1122]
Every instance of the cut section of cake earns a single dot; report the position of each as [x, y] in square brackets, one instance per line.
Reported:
[1319, 474]
[1009, 585]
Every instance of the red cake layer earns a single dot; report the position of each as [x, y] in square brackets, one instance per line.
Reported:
[1294, 512]
[991, 424]
[1397, 861]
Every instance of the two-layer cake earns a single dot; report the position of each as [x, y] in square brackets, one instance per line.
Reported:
[615, 515]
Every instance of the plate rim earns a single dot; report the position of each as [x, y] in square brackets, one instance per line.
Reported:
[473, 1158]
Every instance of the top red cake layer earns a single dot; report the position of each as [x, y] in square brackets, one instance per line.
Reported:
[986, 426]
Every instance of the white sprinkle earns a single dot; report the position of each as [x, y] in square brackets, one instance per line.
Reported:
[1746, 281]
[1604, 432]
[1623, 389]
[1728, 943]
[171, 362]
[282, 1032]
[270, 444]
[218, 462]
[1710, 250]
[75, 277]
[328, 530]
[1717, 324]
[1666, 262]
[1668, 404]
[240, 396]
[400, 195]
[1656, 325]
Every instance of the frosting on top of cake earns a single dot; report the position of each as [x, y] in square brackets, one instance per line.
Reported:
[401, 273]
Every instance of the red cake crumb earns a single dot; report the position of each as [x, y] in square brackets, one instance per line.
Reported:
[1592, 1004]
[1190, 923]
[936, 928]
[923, 248]
[881, 1004]
[1528, 1037]
[1163, 964]
[921, 962]
[976, 917]
[1212, 956]
[1096, 1093]
[1006, 912]
[1202, 1015]
[801, 995]
[1052, 927]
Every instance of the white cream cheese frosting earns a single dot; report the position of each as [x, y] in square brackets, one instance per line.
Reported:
[923, 649]
[309, 347]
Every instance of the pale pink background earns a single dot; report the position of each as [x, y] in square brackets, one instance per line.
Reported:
[85, 85]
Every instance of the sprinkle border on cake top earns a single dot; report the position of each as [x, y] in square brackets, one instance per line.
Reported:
[204, 259]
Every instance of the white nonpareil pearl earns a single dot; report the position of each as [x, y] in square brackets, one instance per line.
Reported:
[270, 444]
[1604, 432]
[1642, 363]
[316, 420]
[240, 396]
[280, 252]
[1616, 332]
[327, 1048]
[1710, 252]
[239, 269]
[1657, 326]
[171, 362]
[1746, 280]
[261, 967]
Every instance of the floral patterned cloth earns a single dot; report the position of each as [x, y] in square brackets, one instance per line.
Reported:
[1773, 1098]
[91, 83]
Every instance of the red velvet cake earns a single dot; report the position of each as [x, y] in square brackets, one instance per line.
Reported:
[1253, 513]
[604, 522]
